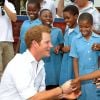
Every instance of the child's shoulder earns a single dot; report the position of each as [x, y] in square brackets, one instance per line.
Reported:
[95, 35]
[77, 37]
[56, 28]
[25, 21]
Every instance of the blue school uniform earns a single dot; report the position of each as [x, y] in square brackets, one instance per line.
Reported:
[53, 63]
[66, 66]
[24, 28]
[88, 62]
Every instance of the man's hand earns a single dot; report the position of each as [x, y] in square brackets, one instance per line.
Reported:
[70, 90]
[72, 95]
[66, 87]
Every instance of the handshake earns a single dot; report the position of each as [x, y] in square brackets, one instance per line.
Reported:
[70, 91]
[2, 2]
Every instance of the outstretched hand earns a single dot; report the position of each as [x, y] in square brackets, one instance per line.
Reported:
[76, 84]
[70, 90]
[72, 95]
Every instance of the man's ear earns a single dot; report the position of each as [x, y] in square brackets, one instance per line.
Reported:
[35, 43]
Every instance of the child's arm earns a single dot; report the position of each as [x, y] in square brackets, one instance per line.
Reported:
[75, 65]
[92, 75]
[58, 48]
[89, 76]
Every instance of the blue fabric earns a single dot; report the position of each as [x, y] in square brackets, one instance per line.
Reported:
[88, 62]
[66, 66]
[98, 93]
[24, 28]
[53, 63]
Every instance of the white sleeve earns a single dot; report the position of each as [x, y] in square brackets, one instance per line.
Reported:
[10, 6]
[42, 86]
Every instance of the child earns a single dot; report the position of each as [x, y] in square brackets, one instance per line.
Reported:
[85, 59]
[70, 14]
[32, 11]
[52, 63]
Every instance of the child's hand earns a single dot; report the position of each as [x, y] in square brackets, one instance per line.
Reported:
[76, 84]
[96, 46]
[56, 49]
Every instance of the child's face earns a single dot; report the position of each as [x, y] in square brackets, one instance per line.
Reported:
[70, 19]
[46, 17]
[85, 28]
[32, 11]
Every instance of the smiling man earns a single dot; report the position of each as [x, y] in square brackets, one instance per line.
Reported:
[24, 76]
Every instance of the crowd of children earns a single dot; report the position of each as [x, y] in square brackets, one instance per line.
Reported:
[74, 53]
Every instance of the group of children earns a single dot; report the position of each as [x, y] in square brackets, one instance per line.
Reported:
[72, 55]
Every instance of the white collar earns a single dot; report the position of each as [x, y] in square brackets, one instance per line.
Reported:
[90, 5]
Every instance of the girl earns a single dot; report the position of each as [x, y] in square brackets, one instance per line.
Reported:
[52, 63]
[85, 59]
[70, 14]
[32, 11]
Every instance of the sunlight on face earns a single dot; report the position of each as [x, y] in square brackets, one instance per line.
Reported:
[32, 11]
[45, 44]
[70, 19]
[85, 28]
[46, 17]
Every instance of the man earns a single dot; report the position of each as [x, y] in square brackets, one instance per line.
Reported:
[7, 14]
[24, 77]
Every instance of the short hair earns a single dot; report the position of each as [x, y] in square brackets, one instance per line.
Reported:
[42, 10]
[71, 9]
[86, 16]
[32, 2]
[35, 33]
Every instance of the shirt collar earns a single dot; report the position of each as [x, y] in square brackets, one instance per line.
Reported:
[76, 29]
[31, 58]
[93, 35]
[90, 5]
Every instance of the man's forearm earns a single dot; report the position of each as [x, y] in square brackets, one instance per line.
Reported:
[11, 15]
[47, 95]
[60, 8]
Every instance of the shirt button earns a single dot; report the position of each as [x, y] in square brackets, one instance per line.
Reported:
[88, 51]
[88, 43]
[89, 59]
